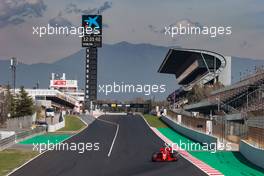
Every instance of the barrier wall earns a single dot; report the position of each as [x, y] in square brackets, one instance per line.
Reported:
[6, 134]
[192, 134]
[11, 138]
[19, 122]
[6, 142]
[25, 134]
[57, 126]
[253, 154]
[87, 119]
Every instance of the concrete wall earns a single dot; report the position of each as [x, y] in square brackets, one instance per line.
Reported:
[6, 142]
[253, 154]
[6, 134]
[87, 119]
[20, 122]
[57, 126]
[192, 134]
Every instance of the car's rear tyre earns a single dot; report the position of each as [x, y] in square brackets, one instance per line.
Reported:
[175, 155]
[154, 157]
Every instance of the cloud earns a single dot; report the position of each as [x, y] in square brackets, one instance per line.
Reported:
[17, 11]
[73, 8]
[105, 6]
[182, 22]
[185, 23]
[59, 20]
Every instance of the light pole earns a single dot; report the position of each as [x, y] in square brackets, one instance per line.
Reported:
[222, 119]
[174, 106]
[13, 63]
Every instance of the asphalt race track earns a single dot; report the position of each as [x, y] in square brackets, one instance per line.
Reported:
[131, 153]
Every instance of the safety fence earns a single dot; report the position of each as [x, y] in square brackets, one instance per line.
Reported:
[221, 128]
[196, 123]
[229, 130]
[189, 132]
[256, 137]
[25, 134]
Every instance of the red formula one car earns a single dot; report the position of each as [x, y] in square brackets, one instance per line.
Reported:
[165, 154]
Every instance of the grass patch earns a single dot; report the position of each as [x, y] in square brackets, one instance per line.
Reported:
[11, 159]
[72, 123]
[155, 121]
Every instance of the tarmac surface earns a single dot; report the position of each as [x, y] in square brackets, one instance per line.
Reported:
[126, 144]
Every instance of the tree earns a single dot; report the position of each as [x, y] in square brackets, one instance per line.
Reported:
[7, 104]
[3, 107]
[24, 105]
[10, 102]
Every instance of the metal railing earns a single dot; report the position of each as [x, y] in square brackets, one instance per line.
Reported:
[228, 108]
[251, 80]
[255, 100]
[24, 134]
[6, 142]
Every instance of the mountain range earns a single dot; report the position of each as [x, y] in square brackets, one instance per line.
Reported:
[121, 62]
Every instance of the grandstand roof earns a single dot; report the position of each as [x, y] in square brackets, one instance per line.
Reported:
[189, 64]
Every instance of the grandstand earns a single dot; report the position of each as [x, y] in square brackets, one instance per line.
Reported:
[243, 96]
[193, 66]
[236, 110]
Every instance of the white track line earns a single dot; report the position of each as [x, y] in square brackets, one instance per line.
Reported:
[106, 121]
[117, 129]
[19, 167]
[83, 121]
[184, 153]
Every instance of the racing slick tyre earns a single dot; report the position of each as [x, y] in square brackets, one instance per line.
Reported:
[175, 155]
[154, 157]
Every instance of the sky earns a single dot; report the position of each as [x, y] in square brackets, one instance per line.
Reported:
[137, 21]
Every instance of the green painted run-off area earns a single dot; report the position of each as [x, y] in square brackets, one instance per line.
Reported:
[228, 163]
[44, 139]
